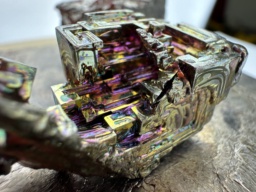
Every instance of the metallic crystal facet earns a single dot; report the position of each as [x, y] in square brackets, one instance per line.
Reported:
[136, 88]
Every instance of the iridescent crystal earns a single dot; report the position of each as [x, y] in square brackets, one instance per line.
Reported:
[136, 87]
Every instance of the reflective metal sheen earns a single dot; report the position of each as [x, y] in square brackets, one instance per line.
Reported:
[136, 87]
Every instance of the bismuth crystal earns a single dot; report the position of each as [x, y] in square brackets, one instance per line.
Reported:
[136, 87]
[73, 11]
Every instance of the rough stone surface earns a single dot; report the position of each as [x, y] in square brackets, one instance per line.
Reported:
[219, 158]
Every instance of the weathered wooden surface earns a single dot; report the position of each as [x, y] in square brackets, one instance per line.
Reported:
[219, 158]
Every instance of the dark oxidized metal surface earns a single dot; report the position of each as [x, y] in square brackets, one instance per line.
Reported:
[136, 88]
